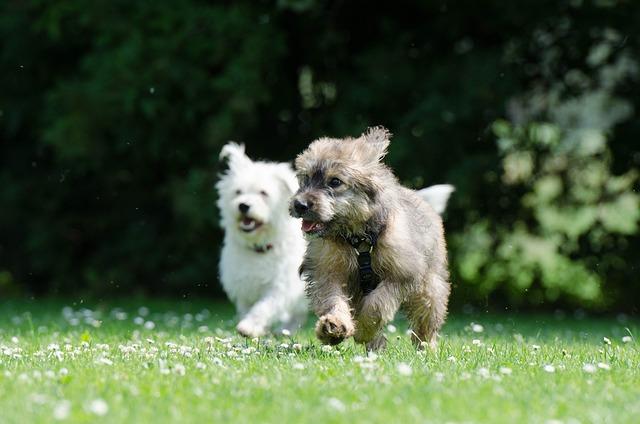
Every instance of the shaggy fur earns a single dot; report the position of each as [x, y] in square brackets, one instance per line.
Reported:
[263, 246]
[346, 190]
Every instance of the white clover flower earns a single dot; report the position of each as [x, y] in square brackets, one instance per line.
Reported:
[626, 339]
[439, 377]
[484, 372]
[102, 346]
[15, 340]
[372, 356]
[391, 328]
[298, 366]
[505, 370]
[476, 342]
[104, 361]
[62, 410]
[589, 368]
[149, 325]
[284, 346]
[404, 369]
[535, 347]
[327, 348]
[179, 369]
[286, 332]
[203, 329]
[143, 311]
[477, 328]
[138, 321]
[604, 366]
[63, 371]
[549, 368]
[296, 346]
[336, 404]
[606, 341]
[217, 361]
[98, 407]
[39, 398]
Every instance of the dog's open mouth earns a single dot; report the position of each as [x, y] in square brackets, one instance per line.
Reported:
[312, 227]
[249, 224]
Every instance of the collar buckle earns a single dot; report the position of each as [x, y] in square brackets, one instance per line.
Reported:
[363, 245]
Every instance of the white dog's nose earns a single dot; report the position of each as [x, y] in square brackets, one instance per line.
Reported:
[244, 208]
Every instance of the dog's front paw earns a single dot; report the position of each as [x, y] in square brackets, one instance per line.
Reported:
[250, 329]
[332, 330]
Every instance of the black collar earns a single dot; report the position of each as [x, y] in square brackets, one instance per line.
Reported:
[262, 249]
[363, 245]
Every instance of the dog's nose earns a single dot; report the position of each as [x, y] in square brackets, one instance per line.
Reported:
[301, 207]
[244, 208]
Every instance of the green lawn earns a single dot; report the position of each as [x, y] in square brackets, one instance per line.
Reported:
[155, 362]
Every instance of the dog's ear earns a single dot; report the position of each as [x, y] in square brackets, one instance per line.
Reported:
[376, 141]
[234, 154]
[287, 177]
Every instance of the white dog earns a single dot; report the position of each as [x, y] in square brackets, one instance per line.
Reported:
[263, 246]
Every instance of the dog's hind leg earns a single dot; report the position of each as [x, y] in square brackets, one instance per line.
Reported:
[427, 311]
[375, 310]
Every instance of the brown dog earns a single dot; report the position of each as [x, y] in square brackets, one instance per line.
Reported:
[374, 245]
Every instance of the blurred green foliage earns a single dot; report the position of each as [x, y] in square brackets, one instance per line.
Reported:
[112, 115]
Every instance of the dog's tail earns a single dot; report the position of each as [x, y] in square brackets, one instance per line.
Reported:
[437, 196]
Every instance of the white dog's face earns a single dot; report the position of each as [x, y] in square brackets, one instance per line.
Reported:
[253, 197]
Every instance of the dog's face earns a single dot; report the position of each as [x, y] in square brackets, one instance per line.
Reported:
[339, 182]
[253, 196]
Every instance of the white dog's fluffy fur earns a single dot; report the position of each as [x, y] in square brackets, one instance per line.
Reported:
[263, 246]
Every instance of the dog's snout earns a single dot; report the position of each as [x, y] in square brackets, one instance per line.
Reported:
[243, 207]
[301, 207]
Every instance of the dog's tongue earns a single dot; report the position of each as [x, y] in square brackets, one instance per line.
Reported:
[247, 221]
[308, 225]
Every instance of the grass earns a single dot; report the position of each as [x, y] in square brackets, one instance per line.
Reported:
[156, 362]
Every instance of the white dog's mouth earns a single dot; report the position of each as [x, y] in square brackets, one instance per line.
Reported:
[248, 225]
[312, 227]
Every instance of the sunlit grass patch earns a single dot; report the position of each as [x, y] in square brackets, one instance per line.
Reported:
[153, 361]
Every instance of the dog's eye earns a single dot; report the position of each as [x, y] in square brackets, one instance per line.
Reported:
[238, 192]
[264, 193]
[335, 182]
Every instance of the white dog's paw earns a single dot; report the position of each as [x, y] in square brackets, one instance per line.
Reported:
[250, 329]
